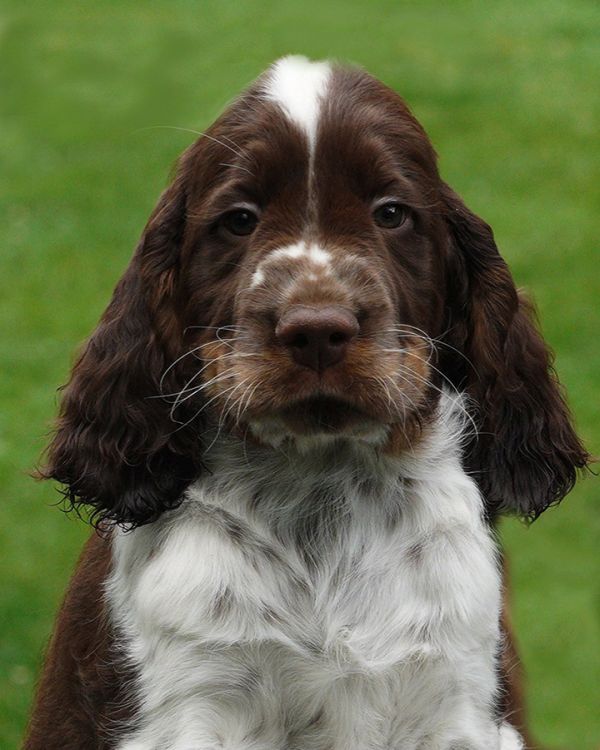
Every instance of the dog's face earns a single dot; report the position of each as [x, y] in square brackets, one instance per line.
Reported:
[318, 259]
[308, 276]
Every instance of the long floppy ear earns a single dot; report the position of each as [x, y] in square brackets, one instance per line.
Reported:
[526, 455]
[115, 448]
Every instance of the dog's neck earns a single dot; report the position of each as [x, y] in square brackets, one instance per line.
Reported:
[299, 493]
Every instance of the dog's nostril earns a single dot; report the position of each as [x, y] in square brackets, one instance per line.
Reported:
[338, 338]
[317, 337]
[300, 341]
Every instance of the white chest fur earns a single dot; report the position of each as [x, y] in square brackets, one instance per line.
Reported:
[345, 603]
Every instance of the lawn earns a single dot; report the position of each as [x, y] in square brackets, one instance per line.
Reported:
[510, 94]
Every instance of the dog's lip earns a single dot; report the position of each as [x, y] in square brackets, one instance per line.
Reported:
[321, 401]
[322, 413]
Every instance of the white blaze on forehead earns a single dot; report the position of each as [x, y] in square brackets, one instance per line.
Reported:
[297, 86]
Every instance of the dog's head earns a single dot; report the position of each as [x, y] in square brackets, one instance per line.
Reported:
[308, 276]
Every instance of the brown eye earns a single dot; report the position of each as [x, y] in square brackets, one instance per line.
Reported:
[240, 222]
[390, 215]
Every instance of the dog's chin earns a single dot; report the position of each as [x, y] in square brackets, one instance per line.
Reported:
[322, 415]
[318, 420]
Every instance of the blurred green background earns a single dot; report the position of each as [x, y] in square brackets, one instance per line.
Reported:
[510, 94]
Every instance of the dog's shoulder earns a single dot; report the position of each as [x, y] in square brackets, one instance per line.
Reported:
[83, 676]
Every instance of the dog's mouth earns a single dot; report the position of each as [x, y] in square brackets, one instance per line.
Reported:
[360, 398]
[318, 418]
[323, 415]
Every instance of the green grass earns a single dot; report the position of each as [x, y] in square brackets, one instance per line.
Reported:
[509, 92]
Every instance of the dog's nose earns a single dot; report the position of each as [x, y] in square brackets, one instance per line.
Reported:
[317, 337]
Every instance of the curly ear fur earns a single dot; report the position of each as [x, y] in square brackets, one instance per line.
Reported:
[526, 455]
[115, 448]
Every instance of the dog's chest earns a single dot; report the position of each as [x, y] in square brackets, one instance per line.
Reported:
[318, 631]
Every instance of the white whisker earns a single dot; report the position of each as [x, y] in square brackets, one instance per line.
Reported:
[236, 166]
[236, 150]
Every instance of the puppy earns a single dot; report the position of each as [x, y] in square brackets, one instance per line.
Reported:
[313, 390]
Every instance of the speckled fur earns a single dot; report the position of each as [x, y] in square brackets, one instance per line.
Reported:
[282, 605]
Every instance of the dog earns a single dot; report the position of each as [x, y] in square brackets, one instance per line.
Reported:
[315, 388]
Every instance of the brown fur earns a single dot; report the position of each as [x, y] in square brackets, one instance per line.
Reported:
[512, 683]
[83, 695]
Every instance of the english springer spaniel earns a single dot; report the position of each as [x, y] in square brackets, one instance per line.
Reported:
[314, 389]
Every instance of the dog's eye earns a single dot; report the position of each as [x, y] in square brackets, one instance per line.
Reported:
[390, 215]
[241, 222]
